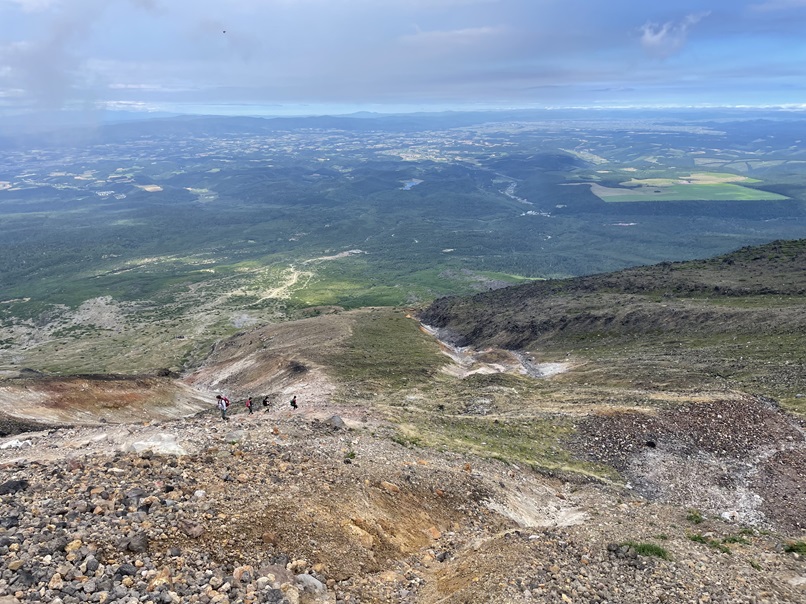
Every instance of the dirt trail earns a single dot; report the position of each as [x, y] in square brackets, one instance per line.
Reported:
[283, 290]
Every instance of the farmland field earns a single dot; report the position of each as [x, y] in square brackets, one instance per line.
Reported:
[701, 186]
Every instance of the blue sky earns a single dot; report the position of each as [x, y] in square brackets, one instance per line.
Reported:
[330, 56]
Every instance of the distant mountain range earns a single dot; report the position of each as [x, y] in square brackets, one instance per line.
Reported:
[79, 127]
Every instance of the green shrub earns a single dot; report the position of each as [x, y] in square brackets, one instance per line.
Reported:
[697, 538]
[695, 517]
[796, 547]
[649, 549]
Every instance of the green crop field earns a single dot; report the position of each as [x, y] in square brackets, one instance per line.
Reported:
[685, 192]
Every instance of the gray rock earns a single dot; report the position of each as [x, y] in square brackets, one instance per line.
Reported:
[138, 543]
[126, 570]
[133, 497]
[269, 596]
[336, 422]
[309, 584]
[191, 529]
[162, 444]
[236, 436]
[13, 486]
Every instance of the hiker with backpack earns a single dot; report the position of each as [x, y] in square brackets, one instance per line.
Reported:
[223, 405]
[249, 405]
[293, 402]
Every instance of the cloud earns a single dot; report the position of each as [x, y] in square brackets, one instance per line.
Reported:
[669, 38]
[149, 87]
[776, 5]
[127, 106]
[47, 67]
[67, 52]
[32, 6]
[457, 38]
[51, 66]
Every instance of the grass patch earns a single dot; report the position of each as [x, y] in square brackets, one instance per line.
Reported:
[387, 351]
[796, 547]
[356, 282]
[757, 302]
[406, 438]
[712, 543]
[736, 539]
[649, 549]
[695, 517]
[533, 442]
[769, 364]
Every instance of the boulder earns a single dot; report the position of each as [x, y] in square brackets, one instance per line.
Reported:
[162, 444]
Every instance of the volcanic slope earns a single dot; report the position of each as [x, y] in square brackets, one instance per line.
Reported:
[634, 466]
[688, 378]
[734, 321]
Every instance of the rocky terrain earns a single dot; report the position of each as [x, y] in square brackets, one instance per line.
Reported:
[620, 466]
[322, 507]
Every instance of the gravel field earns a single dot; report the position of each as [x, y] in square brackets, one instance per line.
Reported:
[318, 507]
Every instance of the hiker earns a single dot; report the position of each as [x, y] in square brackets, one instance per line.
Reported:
[266, 402]
[293, 402]
[223, 405]
[249, 405]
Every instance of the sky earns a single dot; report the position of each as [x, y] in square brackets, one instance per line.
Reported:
[280, 57]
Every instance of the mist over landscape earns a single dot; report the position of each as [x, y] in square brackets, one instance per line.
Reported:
[533, 274]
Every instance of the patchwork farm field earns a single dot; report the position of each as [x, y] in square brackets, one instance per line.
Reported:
[701, 186]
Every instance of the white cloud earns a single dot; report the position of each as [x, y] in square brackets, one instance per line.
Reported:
[664, 40]
[60, 52]
[775, 5]
[127, 106]
[452, 38]
[148, 87]
[32, 6]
